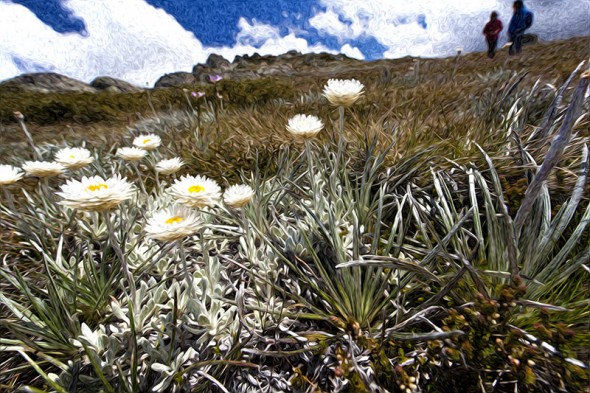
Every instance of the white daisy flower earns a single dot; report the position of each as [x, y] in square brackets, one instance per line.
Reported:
[73, 157]
[174, 223]
[95, 193]
[238, 195]
[43, 168]
[170, 166]
[343, 92]
[131, 153]
[305, 126]
[196, 191]
[147, 142]
[9, 175]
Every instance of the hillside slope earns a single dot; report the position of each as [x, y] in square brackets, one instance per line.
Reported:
[261, 79]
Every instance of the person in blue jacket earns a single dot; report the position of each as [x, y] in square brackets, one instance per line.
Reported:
[521, 20]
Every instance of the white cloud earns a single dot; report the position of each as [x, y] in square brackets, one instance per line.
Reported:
[137, 42]
[328, 23]
[351, 51]
[7, 66]
[265, 39]
[271, 46]
[255, 33]
[450, 24]
[130, 40]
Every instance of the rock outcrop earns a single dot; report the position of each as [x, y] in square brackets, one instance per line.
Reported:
[216, 61]
[256, 65]
[176, 79]
[244, 67]
[114, 85]
[46, 82]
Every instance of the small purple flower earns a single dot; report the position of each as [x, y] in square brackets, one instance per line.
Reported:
[197, 94]
[215, 78]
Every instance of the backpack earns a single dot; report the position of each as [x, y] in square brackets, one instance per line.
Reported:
[528, 19]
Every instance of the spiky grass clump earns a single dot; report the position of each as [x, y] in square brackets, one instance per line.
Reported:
[382, 267]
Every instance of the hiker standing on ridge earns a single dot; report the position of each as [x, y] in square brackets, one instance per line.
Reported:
[491, 30]
[521, 20]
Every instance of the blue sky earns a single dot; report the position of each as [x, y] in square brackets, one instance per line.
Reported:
[139, 40]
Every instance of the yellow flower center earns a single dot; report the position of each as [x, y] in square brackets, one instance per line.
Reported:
[146, 141]
[174, 220]
[72, 156]
[196, 189]
[97, 187]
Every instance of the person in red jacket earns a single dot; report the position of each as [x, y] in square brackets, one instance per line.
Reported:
[492, 30]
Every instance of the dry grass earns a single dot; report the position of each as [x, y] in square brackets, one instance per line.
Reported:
[424, 92]
[395, 264]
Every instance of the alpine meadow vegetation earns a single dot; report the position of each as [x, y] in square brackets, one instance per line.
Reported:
[354, 230]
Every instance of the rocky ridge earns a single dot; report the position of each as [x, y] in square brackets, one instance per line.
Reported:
[49, 82]
[292, 63]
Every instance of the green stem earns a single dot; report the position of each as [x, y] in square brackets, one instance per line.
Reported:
[245, 222]
[311, 172]
[120, 254]
[36, 153]
[9, 201]
[158, 181]
[455, 66]
[340, 134]
[173, 327]
[188, 100]
[187, 275]
[45, 186]
[141, 184]
[216, 112]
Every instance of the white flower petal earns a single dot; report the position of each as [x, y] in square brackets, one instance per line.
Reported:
[73, 157]
[95, 193]
[43, 168]
[170, 166]
[305, 126]
[196, 191]
[343, 92]
[238, 195]
[174, 223]
[9, 175]
[131, 153]
[147, 142]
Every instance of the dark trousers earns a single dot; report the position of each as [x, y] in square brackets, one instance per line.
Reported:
[492, 45]
[516, 46]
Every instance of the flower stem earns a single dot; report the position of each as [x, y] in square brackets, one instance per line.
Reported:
[141, 184]
[187, 275]
[340, 136]
[311, 173]
[158, 181]
[245, 222]
[188, 100]
[204, 252]
[9, 201]
[120, 254]
[46, 190]
[455, 65]
[36, 153]
[218, 104]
